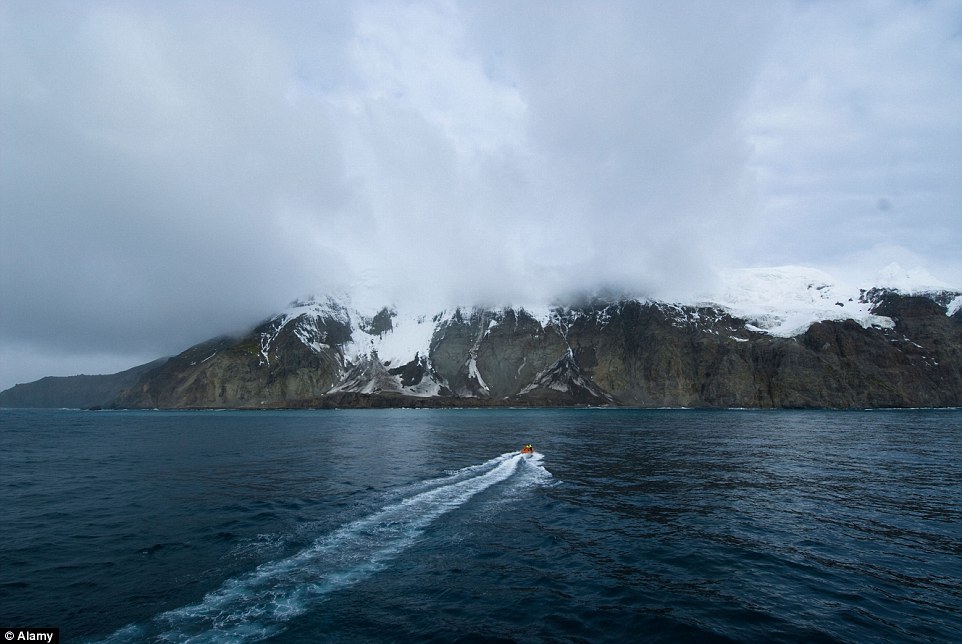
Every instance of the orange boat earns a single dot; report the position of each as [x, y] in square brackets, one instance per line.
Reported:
[527, 449]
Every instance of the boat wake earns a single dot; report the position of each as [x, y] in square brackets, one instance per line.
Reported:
[258, 604]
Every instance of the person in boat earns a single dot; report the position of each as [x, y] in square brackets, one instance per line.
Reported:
[527, 449]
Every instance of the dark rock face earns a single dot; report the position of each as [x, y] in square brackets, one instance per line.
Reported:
[566, 380]
[271, 364]
[632, 353]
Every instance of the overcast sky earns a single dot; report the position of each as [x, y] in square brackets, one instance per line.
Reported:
[173, 170]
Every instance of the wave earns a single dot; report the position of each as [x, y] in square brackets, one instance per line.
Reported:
[258, 604]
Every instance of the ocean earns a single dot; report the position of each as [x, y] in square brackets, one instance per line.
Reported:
[429, 526]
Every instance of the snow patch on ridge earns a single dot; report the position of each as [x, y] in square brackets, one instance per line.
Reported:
[954, 306]
[542, 313]
[380, 340]
[410, 334]
[909, 282]
[784, 301]
[474, 373]
[306, 313]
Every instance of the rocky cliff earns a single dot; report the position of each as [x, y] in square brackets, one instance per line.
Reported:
[903, 351]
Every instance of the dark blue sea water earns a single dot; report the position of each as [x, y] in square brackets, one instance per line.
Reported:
[403, 525]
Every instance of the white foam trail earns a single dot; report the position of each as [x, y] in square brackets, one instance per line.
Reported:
[256, 605]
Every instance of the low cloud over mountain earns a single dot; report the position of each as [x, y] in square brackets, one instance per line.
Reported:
[171, 170]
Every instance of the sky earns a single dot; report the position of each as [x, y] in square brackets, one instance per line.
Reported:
[171, 171]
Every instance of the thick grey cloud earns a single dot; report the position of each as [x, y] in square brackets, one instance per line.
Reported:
[857, 135]
[170, 171]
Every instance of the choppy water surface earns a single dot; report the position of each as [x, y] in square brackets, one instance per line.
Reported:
[427, 526]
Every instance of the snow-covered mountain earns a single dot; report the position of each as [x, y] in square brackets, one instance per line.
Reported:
[775, 337]
[784, 301]
[785, 336]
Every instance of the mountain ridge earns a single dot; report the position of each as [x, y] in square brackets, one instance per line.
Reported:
[809, 347]
[81, 391]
